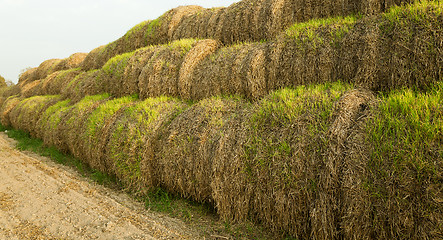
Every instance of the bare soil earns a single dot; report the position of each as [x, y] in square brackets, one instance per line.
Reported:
[43, 200]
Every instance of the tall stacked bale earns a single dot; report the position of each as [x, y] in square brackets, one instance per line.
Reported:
[185, 151]
[26, 114]
[160, 76]
[129, 153]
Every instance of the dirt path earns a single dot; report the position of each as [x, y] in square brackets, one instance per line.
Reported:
[42, 200]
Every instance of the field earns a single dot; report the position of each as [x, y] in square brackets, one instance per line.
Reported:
[321, 125]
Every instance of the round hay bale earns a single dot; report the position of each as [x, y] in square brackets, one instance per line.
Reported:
[31, 89]
[97, 131]
[6, 108]
[49, 123]
[350, 111]
[129, 153]
[44, 69]
[90, 61]
[134, 69]
[198, 53]
[161, 73]
[392, 174]
[84, 84]
[185, 150]
[112, 75]
[26, 75]
[55, 82]
[73, 61]
[177, 16]
[75, 123]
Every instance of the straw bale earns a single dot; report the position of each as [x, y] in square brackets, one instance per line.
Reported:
[391, 182]
[26, 75]
[133, 70]
[31, 89]
[129, 153]
[11, 91]
[48, 125]
[112, 76]
[186, 148]
[198, 53]
[84, 84]
[26, 114]
[75, 123]
[73, 61]
[97, 132]
[178, 15]
[44, 69]
[54, 83]
[350, 111]
[90, 61]
[6, 108]
[160, 76]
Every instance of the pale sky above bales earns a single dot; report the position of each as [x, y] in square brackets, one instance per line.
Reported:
[33, 31]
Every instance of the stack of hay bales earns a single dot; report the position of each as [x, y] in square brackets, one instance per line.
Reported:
[320, 159]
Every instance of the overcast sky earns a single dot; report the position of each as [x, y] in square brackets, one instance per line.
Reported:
[32, 31]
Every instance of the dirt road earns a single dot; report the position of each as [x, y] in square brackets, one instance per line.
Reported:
[42, 200]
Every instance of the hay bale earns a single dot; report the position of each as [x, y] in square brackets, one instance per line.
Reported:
[186, 148]
[26, 75]
[129, 153]
[97, 131]
[31, 89]
[350, 111]
[112, 75]
[11, 91]
[84, 84]
[6, 108]
[73, 61]
[392, 178]
[27, 113]
[75, 122]
[283, 156]
[54, 83]
[49, 123]
[44, 69]
[161, 73]
[90, 61]
[133, 70]
[198, 53]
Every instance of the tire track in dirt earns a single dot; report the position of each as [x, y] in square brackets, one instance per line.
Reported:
[42, 200]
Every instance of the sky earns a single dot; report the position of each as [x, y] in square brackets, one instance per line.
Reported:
[34, 31]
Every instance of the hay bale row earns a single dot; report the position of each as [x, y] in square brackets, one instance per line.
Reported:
[7, 106]
[322, 161]
[248, 20]
[84, 84]
[318, 51]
